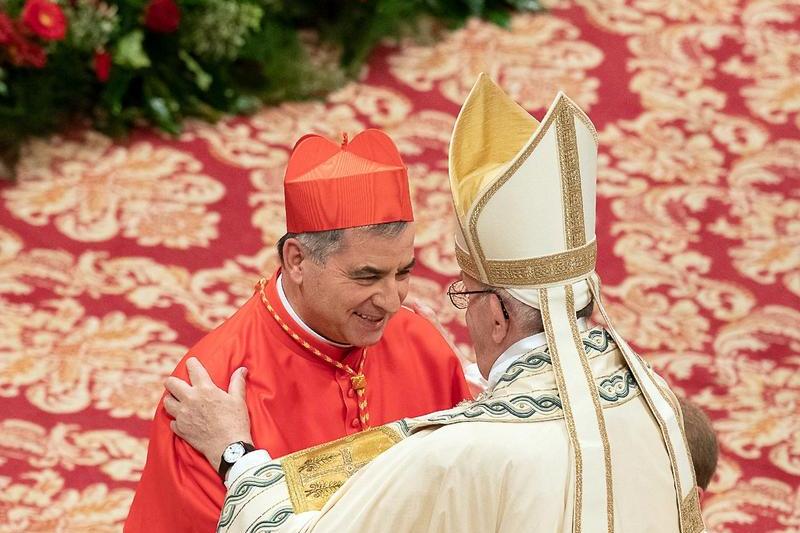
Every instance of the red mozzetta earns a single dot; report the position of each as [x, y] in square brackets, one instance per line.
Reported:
[295, 399]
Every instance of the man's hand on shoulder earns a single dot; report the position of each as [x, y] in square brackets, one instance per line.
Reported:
[207, 417]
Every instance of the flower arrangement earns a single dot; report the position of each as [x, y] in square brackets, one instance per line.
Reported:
[119, 63]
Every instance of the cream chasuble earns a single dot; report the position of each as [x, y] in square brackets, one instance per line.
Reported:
[501, 463]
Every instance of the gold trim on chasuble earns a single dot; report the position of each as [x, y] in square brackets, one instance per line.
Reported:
[691, 515]
[315, 474]
[580, 258]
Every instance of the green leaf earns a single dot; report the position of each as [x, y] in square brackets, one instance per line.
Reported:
[196, 107]
[129, 51]
[161, 106]
[115, 90]
[161, 115]
[526, 5]
[245, 104]
[500, 17]
[476, 6]
[201, 78]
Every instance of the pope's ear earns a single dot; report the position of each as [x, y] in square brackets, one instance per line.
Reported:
[500, 323]
[293, 256]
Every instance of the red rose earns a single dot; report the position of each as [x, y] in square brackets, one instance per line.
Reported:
[102, 65]
[21, 52]
[163, 16]
[45, 19]
[34, 55]
[24, 53]
[8, 33]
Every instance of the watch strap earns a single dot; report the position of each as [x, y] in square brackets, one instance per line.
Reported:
[224, 465]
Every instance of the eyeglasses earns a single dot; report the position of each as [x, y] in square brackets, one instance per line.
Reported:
[459, 297]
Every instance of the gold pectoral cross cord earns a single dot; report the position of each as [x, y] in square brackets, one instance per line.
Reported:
[357, 378]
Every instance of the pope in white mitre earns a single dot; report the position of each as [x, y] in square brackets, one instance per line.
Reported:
[574, 433]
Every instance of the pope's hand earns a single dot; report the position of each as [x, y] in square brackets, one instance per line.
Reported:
[207, 417]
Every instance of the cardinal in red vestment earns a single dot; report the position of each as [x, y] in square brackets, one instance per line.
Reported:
[329, 349]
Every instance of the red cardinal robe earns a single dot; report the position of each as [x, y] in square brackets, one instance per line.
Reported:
[295, 401]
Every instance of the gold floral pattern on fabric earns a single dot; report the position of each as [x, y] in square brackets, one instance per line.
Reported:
[427, 129]
[93, 190]
[541, 47]
[64, 360]
[743, 500]
[384, 107]
[434, 219]
[40, 501]
[765, 223]
[263, 141]
[768, 62]
[117, 454]
[652, 146]
[637, 17]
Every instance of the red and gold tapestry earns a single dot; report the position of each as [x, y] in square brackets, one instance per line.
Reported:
[116, 256]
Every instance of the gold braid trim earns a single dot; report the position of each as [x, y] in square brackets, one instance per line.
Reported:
[571, 197]
[565, 402]
[598, 409]
[358, 380]
[691, 519]
[537, 271]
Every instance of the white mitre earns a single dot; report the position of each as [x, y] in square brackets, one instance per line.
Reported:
[524, 195]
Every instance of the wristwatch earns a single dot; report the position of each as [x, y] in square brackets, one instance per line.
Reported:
[233, 453]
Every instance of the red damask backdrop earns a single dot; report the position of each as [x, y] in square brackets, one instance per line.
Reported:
[116, 256]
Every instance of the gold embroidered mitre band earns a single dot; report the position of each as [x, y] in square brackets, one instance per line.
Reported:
[524, 196]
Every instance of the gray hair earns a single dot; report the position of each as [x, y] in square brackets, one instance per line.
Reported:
[529, 318]
[320, 245]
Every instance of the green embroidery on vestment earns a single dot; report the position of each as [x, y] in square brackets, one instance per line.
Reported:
[617, 387]
[597, 341]
[546, 405]
[273, 521]
[272, 473]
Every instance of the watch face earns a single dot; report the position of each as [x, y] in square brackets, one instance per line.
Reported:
[233, 452]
